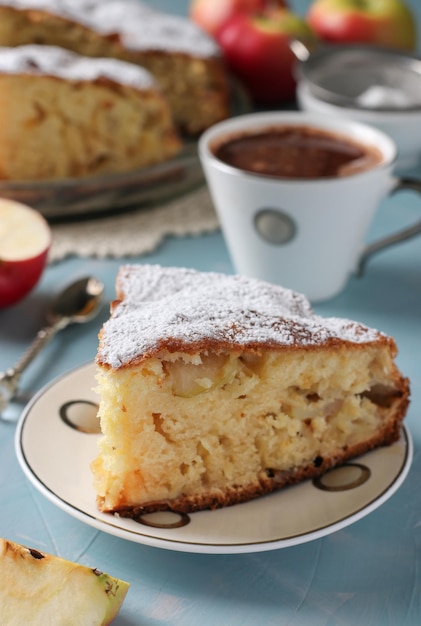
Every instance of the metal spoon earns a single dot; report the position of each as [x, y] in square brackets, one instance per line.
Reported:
[78, 302]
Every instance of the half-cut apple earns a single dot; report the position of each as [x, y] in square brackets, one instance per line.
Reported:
[25, 238]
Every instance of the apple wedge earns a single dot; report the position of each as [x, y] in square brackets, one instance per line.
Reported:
[39, 589]
[25, 238]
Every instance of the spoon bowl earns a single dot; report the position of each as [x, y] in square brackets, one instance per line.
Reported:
[77, 303]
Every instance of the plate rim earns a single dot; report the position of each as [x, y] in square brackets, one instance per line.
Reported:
[190, 546]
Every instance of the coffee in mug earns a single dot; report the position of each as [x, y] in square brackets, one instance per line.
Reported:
[295, 194]
[296, 152]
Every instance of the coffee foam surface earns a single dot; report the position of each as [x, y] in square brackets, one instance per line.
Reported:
[176, 308]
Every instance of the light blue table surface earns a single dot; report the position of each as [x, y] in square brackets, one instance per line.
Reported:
[368, 574]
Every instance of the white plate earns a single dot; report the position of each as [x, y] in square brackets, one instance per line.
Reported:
[55, 456]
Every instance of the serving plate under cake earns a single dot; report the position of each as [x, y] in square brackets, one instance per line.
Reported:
[93, 196]
[59, 467]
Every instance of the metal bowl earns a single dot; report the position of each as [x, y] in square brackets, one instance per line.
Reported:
[361, 77]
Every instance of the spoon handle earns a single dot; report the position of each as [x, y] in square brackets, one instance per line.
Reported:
[9, 379]
[42, 337]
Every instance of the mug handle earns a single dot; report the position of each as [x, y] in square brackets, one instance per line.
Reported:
[401, 235]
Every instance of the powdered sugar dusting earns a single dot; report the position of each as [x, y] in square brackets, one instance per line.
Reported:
[139, 26]
[54, 61]
[177, 307]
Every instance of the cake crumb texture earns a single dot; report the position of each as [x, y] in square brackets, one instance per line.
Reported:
[78, 116]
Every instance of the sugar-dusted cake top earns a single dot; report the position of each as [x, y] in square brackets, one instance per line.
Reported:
[139, 26]
[183, 309]
[54, 61]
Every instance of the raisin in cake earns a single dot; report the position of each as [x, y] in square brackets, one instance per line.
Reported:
[216, 389]
[63, 115]
[186, 61]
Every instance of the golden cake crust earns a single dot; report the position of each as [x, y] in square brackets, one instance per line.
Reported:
[182, 309]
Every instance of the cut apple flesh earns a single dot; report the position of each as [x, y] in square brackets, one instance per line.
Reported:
[24, 233]
[39, 589]
[190, 379]
[215, 370]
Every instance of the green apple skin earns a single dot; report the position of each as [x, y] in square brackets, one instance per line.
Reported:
[257, 51]
[388, 23]
[40, 589]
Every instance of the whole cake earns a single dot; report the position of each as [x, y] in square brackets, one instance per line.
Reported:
[63, 115]
[216, 389]
[186, 61]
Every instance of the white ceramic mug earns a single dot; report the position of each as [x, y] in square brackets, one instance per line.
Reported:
[304, 234]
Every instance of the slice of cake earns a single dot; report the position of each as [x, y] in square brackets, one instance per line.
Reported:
[186, 62]
[63, 115]
[216, 389]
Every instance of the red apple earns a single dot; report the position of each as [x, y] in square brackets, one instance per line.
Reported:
[387, 23]
[257, 50]
[25, 238]
[212, 14]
